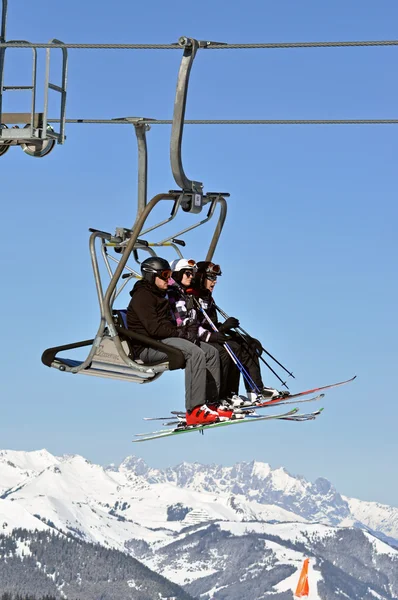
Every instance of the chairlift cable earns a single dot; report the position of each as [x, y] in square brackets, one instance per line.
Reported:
[205, 45]
[236, 121]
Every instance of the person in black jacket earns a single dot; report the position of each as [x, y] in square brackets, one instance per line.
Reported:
[149, 314]
[245, 349]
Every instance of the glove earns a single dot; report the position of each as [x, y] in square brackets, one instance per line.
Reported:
[230, 323]
[189, 332]
[255, 345]
[216, 337]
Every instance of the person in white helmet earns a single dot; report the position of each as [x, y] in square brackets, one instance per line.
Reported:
[185, 314]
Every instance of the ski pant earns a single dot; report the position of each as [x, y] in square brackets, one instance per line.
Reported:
[229, 383]
[202, 369]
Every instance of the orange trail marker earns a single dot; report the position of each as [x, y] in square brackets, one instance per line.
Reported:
[303, 589]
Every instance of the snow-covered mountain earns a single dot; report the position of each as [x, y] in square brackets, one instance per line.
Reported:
[220, 532]
[256, 481]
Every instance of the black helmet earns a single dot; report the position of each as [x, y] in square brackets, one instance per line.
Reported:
[206, 269]
[155, 266]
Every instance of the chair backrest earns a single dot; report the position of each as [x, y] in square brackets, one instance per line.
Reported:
[122, 316]
[175, 357]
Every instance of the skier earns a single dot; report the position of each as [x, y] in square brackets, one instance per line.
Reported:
[149, 313]
[185, 314]
[245, 349]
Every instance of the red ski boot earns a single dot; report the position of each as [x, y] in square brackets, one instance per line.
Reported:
[202, 415]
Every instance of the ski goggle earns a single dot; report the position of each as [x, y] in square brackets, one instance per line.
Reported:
[165, 275]
[213, 269]
[211, 277]
[192, 263]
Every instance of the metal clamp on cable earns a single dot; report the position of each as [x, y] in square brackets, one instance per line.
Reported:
[192, 203]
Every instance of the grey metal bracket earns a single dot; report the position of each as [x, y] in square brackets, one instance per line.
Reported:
[59, 137]
[190, 47]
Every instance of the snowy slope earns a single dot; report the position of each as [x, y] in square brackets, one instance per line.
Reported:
[13, 515]
[16, 466]
[259, 560]
[378, 517]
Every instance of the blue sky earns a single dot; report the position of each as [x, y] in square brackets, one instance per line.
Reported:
[309, 250]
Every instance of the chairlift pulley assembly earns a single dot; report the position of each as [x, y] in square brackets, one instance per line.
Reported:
[30, 130]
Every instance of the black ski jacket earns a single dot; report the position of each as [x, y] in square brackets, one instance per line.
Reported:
[206, 301]
[149, 314]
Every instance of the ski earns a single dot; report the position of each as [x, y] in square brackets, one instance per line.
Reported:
[286, 400]
[282, 402]
[289, 415]
[304, 417]
[281, 399]
[187, 429]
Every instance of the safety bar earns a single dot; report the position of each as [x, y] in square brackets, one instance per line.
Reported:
[209, 216]
[105, 305]
[106, 302]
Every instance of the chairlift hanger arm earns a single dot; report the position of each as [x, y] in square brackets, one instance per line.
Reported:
[190, 48]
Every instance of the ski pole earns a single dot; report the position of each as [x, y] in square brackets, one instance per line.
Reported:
[283, 383]
[233, 356]
[231, 353]
[225, 316]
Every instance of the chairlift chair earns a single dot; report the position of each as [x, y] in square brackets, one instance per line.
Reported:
[110, 353]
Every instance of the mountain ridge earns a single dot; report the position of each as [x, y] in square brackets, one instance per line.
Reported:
[239, 532]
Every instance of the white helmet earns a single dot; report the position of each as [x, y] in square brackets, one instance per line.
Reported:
[182, 263]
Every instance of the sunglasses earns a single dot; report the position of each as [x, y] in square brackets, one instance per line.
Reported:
[165, 275]
[211, 277]
[188, 273]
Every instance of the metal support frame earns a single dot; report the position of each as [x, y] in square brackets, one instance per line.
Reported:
[36, 137]
[128, 241]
